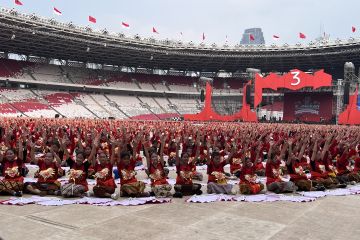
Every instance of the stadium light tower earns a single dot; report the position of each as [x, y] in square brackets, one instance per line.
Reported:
[204, 80]
[349, 79]
[252, 72]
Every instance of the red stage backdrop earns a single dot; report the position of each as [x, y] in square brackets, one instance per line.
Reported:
[208, 114]
[293, 80]
[351, 115]
[308, 107]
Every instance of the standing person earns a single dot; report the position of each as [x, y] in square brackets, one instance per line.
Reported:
[155, 163]
[13, 181]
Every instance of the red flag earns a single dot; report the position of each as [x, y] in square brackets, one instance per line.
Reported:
[154, 31]
[252, 38]
[17, 2]
[302, 36]
[126, 25]
[92, 19]
[57, 11]
[276, 37]
[353, 29]
[203, 36]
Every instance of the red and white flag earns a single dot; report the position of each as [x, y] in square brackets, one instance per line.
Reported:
[275, 37]
[57, 11]
[92, 19]
[302, 36]
[353, 29]
[155, 31]
[125, 25]
[17, 2]
[203, 36]
[252, 38]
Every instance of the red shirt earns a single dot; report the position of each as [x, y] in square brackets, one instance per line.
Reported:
[48, 173]
[235, 163]
[212, 168]
[320, 170]
[342, 163]
[78, 175]
[184, 174]
[127, 173]
[103, 175]
[272, 172]
[248, 174]
[157, 175]
[357, 164]
[12, 170]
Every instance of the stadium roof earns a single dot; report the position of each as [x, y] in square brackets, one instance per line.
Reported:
[31, 35]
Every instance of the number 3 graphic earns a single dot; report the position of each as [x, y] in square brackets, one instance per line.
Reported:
[296, 77]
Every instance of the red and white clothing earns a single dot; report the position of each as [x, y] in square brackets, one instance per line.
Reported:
[127, 173]
[157, 175]
[103, 175]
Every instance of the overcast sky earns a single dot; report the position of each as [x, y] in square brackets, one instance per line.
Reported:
[216, 18]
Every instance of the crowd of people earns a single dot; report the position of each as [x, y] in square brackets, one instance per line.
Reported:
[292, 157]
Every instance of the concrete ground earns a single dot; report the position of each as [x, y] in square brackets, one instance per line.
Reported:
[326, 218]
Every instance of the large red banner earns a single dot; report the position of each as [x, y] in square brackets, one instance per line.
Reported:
[294, 80]
[308, 107]
[351, 115]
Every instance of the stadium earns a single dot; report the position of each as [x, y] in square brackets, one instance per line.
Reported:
[154, 79]
[100, 130]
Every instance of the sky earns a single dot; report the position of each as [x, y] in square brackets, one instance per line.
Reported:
[216, 18]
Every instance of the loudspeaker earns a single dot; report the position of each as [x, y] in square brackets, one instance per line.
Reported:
[202, 95]
[57, 115]
[248, 94]
[346, 93]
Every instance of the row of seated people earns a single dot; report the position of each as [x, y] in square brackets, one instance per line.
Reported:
[292, 157]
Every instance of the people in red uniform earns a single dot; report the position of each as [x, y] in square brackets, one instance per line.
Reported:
[130, 186]
[47, 183]
[185, 172]
[276, 180]
[155, 164]
[77, 185]
[13, 181]
[105, 184]
[217, 181]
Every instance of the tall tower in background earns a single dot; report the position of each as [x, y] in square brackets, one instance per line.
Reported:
[256, 33]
